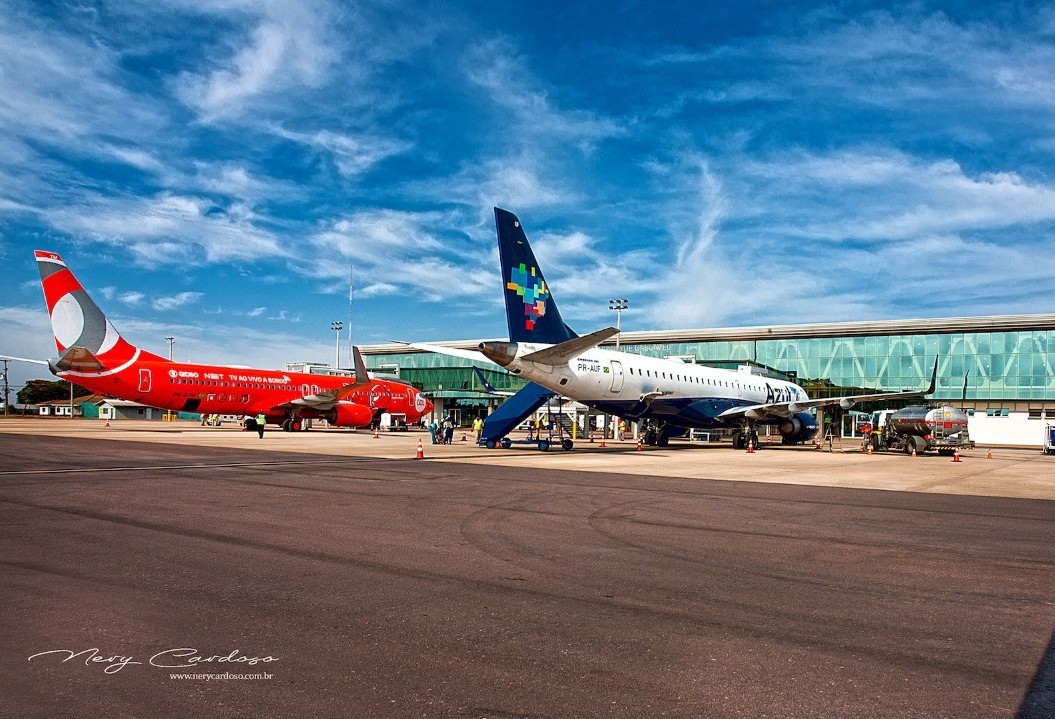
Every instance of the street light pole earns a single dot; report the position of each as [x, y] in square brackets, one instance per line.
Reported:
[171, 341]
[618, 305]
[337, 327]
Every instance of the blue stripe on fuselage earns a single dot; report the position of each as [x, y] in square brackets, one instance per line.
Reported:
[683, 412]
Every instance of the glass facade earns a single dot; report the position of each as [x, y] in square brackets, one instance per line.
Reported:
[998, 367]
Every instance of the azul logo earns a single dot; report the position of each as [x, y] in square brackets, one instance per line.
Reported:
[780, 394]
[530, 286]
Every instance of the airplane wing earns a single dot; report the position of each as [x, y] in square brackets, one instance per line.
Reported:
[327, 399]
[473, 355]
[786, 409]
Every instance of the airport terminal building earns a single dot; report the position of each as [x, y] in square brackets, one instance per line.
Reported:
[994, 366]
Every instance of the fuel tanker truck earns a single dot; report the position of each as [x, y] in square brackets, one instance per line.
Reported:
[920, 429]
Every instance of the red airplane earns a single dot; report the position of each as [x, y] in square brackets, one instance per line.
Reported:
[94, 355]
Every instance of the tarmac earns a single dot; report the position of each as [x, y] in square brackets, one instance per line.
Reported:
[1025, 473]
[151, 569]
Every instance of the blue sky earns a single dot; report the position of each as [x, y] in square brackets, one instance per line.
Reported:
[211, 170]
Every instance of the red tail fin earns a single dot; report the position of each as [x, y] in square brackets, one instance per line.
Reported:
[76, 321]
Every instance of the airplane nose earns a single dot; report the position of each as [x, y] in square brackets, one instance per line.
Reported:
[501, 353]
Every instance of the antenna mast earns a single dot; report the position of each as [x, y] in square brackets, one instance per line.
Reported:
[351, 342]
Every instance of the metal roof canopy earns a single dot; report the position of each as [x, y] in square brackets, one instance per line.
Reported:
[943, 325]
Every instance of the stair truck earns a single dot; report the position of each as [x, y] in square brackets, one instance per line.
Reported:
[921, 429]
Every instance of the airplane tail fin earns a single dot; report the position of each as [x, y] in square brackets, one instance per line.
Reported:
[77, 322]
[531, 311]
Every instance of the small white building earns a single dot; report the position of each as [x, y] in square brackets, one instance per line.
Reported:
[126, 409]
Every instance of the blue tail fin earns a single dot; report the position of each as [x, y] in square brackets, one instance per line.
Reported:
[531, 311]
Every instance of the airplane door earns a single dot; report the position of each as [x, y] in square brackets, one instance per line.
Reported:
[617, 376]
[144, 380]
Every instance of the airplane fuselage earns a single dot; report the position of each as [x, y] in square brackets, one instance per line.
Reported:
[639, 387]
[219, 389]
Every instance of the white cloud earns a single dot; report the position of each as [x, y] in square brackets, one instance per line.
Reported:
[131, 298]
[890, 196]
[352, 154]
[289, 47]
[172, 302]
[169, 228]
[527, 103]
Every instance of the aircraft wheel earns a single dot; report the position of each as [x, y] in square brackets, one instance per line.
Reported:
[507, 443]
[566, 445]
[296, 425]
[490, 443]
[250, 425]
[543, 446]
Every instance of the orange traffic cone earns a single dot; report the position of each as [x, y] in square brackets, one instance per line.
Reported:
[956, 455]
[376, 435]
[602, 441]
[913, 450]
[108, 424]
[868, 448]
[640, 445]
[464, 438]
[989, 454]
[750, 447]
[421, 451]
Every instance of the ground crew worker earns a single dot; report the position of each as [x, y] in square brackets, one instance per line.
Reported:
[261, 422]
[478, 425]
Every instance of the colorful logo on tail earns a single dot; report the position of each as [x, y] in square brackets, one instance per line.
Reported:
[530, 286]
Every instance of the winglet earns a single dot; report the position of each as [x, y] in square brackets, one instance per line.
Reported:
[488, 387]
[933, 378]
[362, 377]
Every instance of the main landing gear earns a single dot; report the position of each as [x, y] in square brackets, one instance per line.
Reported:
[655, 434]
[748, 434]
[293, 424]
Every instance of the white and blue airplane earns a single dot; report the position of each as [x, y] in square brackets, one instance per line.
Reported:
[669, 396]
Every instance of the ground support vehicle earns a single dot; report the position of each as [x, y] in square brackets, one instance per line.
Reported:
[921, 429]
[552, 435]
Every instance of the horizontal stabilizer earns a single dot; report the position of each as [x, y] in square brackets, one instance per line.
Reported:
[24, 359]
[472, 355]
[77, 359]
[564, 352]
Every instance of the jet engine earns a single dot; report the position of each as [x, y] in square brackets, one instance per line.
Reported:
[797, 428]
[349, 415]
